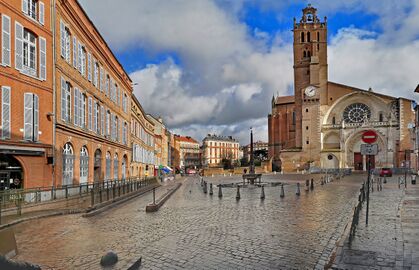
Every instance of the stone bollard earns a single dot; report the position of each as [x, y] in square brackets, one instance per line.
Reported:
[238, 193]
[298, 190]
[282, 195]
[211, 191]
[205, 187]
[220, 191]
[312, 184]
[307, 185]
[262, 194]
[109, 259]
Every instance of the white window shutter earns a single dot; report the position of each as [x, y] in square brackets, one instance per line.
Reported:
[36, 118]
[79, 58]
[5, 111]
[41, 13]
[76, 106]
[25, 6]
[63, 99]
[74, 52]
[89, 107]
[28, 116]
[63, 39]
[80, 108]
[42, 58]
[102, 120]
[18, 46]
[5, 39]
[89, 67]
[101, 79]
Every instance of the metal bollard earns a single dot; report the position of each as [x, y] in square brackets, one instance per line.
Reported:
[312, 184]
[238, 193]
[262, 193]
[205, 188]
[92, 195]
[66, 192]
[220, 191]
[298, 190]
[307, 185]
[282, 195]
[211, 191]
[321, 181]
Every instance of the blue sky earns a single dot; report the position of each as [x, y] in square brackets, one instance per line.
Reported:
[212, 66]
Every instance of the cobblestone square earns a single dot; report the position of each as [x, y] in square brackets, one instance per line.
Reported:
[194, 230]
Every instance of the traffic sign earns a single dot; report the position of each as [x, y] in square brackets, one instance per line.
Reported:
[369, 136]
[369, 149]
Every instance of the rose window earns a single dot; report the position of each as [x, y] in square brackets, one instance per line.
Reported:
[356, 113]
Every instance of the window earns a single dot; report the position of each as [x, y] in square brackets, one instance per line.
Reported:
[115, 166]
[5, 112]
[380, 117]
[293, 118]
[334, 120]
[124, 103]
[65, 41]
[107, 85]
[83, 60]
[97, 118]
[125, 134]
[74, 52]
[318, 38]
[76, 107]
[306, 127]
[101, 80]
[89, 67]
[68, 164]
[29, 7]
[90, 112]
[308, 37]
[306, 110]
[5, 39]
[96, 74]
[108, 123]
[84, 165]
[65, 100]
[108, 166]
[29, 52]
[356, 113]
[302, 36]
[102, 120]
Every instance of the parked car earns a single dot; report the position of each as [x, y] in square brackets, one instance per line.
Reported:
[386, 172]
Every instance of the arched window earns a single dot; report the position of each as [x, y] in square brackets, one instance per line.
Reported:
[68, 164]
[115, 166]
[308, 37]
[308, 54]
[304, 54]
[380, 117]
[302, 36]
[318, 36]
[334, 120]
[84, 165]
[108, 165]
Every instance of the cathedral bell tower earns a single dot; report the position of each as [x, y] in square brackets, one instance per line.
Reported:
[310, 64]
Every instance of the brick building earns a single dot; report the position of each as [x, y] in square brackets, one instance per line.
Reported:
[216, 148]
[93, 102]
[321, 125]
[142, 141]
[26, 94]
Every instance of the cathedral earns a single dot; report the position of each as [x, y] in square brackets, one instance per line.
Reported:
[321, 125]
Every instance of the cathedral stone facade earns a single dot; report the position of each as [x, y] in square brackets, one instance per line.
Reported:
[321, 125]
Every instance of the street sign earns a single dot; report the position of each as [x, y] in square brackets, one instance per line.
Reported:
[369, 149]
[369, 136]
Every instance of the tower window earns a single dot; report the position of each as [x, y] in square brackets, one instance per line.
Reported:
[308, 54]
[306, 127]
[334, 120]
[302, 36]
[380, 117]
[308, 36]
[306, 110]
[304, 54]
[307, 142]
[318, 37]
[293, 118]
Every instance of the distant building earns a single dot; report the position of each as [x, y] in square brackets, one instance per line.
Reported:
[161, 141]
[257, 146]
[189, 152]
[216, 148]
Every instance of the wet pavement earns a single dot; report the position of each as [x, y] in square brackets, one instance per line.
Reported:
[194, 230]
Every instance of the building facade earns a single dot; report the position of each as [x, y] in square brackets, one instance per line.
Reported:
[257, 146]
[92, 112]
[189, 152]
[26, 94]
[216, 148]
[321, 125]
[161, 141]
[142, 142]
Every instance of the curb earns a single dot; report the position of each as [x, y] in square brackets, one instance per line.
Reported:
[100, 208]
[155, 207]
[59, 213]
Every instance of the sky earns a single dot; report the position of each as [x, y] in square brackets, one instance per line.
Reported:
[212, 66]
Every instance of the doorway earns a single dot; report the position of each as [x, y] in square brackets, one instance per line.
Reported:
[358, 162]
[11, 173]
[97, 168]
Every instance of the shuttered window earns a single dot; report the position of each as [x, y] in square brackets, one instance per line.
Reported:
[95, 114]
[5, 111]
[101, 85]
[102, 120]
[89, 111]
[63, 40]
[42, 58]
[41, 13]
[65, 101]
[5, 40]
[74, 52]
[76, 107]
[89, 67]
[31, 117]
[18, 46]
[79, 59]
[108, 123]
[96, 73]
[82, 110]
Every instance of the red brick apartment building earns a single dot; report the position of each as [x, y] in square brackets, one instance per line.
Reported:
[26, 94]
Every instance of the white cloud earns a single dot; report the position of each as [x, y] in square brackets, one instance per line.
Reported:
[227, 76]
